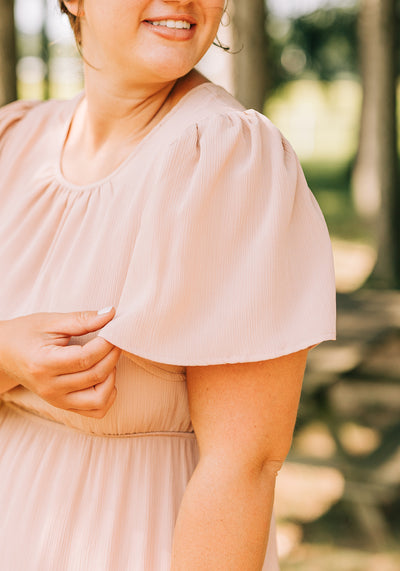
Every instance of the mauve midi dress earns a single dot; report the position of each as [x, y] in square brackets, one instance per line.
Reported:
[210, 245]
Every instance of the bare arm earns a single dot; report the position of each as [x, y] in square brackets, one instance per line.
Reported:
[243, 416]
[6, 383]
[35, 353]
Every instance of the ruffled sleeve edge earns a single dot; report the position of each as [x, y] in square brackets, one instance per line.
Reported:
[201, 361]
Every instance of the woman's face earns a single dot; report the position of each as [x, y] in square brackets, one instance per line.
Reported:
[147, 41]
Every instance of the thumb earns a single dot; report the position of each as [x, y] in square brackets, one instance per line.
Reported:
[82, 322]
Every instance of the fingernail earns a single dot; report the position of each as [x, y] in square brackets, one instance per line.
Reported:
[104, 311]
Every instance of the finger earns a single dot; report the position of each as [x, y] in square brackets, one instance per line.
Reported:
[94, 376]
[98, 413]
[94, 398]
[76, 358]
[78, 322]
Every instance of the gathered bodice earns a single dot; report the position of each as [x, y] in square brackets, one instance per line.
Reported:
[150, 398]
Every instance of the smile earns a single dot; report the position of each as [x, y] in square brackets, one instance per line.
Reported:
[175, 24]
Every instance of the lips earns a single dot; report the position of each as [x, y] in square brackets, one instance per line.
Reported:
[179, 27]
[172, 19]
[172, 24]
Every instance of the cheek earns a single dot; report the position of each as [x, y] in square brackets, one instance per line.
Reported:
[104, 32]
[216, 6]
[214, 14]
[103, 18]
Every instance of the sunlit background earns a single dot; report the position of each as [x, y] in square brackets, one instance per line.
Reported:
[338, 495]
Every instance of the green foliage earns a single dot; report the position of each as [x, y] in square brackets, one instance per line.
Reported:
[322, 44]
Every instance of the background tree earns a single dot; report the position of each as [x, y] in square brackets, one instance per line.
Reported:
[250, 69]
[8, 82]
[375, 176]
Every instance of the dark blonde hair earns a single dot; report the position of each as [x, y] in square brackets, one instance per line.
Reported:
[73, 20]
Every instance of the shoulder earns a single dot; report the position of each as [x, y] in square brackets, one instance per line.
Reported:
[12, 114]
[227, 146]
[209, 107]
[211, 124]
[23, 120]
[243, 135]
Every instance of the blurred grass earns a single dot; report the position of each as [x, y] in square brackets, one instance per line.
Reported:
[331, 185]
[325, 558]
[321, 120]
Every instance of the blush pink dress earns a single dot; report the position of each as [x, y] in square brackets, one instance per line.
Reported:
[213, 250]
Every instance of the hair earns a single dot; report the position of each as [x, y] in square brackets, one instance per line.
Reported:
[73, 20]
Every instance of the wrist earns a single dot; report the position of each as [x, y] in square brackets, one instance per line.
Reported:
[2, 338]
[7, 382]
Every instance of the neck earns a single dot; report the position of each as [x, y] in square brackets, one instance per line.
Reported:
[109, 113]
[111, 120]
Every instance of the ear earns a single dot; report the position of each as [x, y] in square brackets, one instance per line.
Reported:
[74, 7]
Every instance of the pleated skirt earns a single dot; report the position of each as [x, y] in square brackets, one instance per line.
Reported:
[71, 501]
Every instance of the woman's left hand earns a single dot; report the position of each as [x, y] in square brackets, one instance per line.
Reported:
[35, 353]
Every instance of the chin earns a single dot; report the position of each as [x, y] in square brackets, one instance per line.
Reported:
[170, 72]
[171, 64]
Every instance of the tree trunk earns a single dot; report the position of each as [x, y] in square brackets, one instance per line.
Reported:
[45, 54]
[375, 176]
[250, 41]
[8, 81]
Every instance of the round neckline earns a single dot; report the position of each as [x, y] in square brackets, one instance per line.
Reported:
[75, 102]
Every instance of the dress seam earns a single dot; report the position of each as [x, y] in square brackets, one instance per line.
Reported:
[34, 417]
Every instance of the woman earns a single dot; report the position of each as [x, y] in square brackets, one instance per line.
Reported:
[156, 193]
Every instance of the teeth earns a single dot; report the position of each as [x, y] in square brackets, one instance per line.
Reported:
[178, 24]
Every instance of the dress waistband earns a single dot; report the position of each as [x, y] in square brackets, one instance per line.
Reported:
[55, 425]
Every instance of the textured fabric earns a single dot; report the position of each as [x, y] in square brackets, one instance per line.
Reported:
[212, 248]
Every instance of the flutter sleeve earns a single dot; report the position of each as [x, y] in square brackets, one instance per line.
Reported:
[10, 116]
[233, 262]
